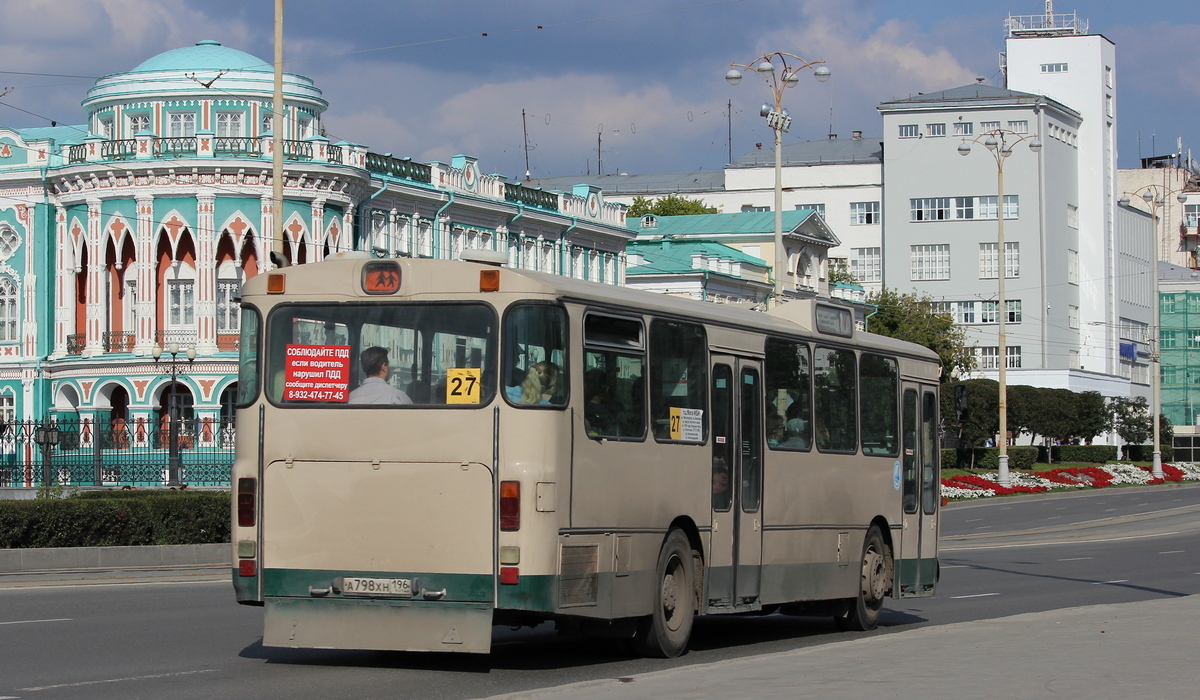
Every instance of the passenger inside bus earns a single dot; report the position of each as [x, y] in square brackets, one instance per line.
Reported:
[599, 416]
[375, 389]
[541, 385]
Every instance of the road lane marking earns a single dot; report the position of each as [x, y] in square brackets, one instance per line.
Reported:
[1174, 551]
[1076, 559]
[1052, 543]
[974, 520]
[1053, 517]
[1105, 583]
[118, 680]
[955, 566]
[977, 595]
[27, 622]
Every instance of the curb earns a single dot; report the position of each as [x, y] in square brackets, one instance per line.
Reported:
[84, 558]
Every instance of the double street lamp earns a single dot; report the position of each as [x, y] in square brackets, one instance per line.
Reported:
[1000, 143]
[174, 459]
[787, 75]
[1155, 196]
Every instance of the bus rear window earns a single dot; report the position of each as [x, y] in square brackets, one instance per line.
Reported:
[373, 355]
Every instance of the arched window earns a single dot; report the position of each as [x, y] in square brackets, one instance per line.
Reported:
[9, 312]
[228, 291]
[181, 298]
[9, 241]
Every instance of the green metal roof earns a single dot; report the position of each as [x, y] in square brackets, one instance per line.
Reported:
[676, 256]
[60, 134]
[721, 224]
[205, 55]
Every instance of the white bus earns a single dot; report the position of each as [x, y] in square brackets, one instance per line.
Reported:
[535, 448]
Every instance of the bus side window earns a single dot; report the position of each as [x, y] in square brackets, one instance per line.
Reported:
[678, 382]
[613, 382]
[534, 362]
[789, 396]
[835, 375]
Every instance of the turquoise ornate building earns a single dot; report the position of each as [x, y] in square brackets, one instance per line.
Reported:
[136, 230]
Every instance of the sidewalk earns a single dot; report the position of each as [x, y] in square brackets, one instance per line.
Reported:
[1142, 650]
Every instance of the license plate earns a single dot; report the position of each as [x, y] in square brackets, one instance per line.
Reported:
[361, 586]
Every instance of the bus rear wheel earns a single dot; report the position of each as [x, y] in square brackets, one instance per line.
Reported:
[664, 634]
[865, 608]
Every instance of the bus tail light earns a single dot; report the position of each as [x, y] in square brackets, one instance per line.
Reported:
[246, 502]
[247, 567]
[489, 280]
[510, 575]
[510, 505]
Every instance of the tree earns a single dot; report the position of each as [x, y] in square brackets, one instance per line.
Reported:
[1091, 415]
[981, 419]
[840, 273]
[1130, 418]
[1022, 410]
[917, 320]
[670, 205]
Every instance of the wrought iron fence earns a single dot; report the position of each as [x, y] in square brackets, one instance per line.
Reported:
[115, 453]
[297, 150]
[236, 146]
[531, 196]
[118, 341]
[75, 343]
[119, 149]
[335, 154]
[399, 167]
[175, 146]
[77, 154]
[185, 337]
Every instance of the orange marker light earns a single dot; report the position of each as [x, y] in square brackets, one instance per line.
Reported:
[489, 280]
[276, 283]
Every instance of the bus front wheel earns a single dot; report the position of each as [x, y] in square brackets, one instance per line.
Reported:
[664, 634]
[875, 581]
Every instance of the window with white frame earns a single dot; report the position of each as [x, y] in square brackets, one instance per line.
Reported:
[1168, 339]
[266, 123]
[137, 124]
[8, 408]
[753, 208]
[1020, 126]
[987, 206]
[181, 124]
[1012, 206]
[228, 292]
[1140, 374]
[964, 129]
[1014, 310]
[1054, 68]
[1072, 266]
[1073, 359]
[909, 131]
[303, 127]
[987, 314]
[964, 207]
[989, 260]
[1013, 353]
[819, 208]
[935, 129]
[930, 262]
[864, 213]
[9, 310]
[1191, 213]
[106, 127]
[866, 264]
[9, 241]
[1072, 216]
[1072, 316]
[1108, 105]
[988, 357]
[941, 307]
[181, 299]
[929, 209]
[989, 126]
[229, 124]
[1108, 76]
[963, 312]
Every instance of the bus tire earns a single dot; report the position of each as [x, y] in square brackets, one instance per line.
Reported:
[875, 581]
[664, 633]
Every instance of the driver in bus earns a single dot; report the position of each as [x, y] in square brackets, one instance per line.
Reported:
[375, 388]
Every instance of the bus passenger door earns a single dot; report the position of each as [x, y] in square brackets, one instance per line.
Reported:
[736, 552]
[917, 566]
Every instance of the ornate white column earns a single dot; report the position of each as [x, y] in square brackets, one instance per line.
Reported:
[64, 281]
[29, 283]
[316, 251]
[206, 275]
[266, 229]
[96, 303]
[346, 237]
[147, 268]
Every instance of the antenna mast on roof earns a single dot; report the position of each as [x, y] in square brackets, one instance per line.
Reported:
[525, 130]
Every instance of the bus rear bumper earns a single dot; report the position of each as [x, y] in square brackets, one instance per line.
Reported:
[381, 625]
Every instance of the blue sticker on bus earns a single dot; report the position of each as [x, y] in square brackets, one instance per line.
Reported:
[896, 475]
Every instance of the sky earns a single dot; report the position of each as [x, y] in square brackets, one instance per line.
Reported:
[430, 79]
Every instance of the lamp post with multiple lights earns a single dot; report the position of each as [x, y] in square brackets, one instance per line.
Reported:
[1000, 142]
[778, 79]
[1155, 196]
[174, 459]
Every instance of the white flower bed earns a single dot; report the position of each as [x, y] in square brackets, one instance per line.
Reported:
[1127, 474]
[956, 492]
[1191, 470]
[1121, 474]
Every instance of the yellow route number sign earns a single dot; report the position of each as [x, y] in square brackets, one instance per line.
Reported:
[462, 385]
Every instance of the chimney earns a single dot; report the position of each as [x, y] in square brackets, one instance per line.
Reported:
[833, 137]
[856, 134]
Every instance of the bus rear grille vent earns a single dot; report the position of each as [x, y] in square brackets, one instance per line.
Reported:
[577, 580]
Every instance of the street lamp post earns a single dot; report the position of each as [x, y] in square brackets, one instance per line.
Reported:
[780, 121]
[174, 459]
[1155, 196]
[998, 142]
[46, 437]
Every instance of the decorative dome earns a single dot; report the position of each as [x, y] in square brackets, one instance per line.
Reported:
[205, 55]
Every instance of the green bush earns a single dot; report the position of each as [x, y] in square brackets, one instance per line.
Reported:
[949, 458]
[1095, 454]
[1019, 457]
[1145, 453]
[147, 518]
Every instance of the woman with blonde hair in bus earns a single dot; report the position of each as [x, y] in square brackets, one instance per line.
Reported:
[540, 385]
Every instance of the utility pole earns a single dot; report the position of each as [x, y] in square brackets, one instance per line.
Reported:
[276, 244]
[525, 130]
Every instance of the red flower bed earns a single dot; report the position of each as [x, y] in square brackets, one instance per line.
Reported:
[1172, 473]
[977, 482]
[1091, 476]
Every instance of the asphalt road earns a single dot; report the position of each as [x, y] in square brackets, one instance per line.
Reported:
[180, 635]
